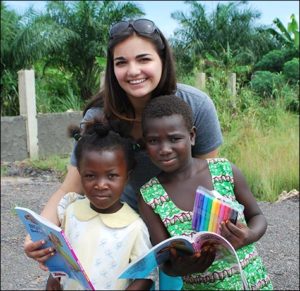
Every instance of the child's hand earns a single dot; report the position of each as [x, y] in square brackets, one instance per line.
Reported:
[53, 283]
[35, 251]
[189, 264]
[238, 235]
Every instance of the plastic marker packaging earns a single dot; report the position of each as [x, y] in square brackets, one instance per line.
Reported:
[211, 208]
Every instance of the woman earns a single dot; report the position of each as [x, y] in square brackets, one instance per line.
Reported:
[139, 67]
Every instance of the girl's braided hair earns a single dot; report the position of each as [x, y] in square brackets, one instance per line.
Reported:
[99, 135]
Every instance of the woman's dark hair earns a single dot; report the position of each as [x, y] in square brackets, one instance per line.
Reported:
[99, 136]
[166, 106]
[113, 98]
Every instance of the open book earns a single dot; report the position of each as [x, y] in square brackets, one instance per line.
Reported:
[64, 263]
[160, 253]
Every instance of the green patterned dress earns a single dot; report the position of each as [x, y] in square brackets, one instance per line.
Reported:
[221, 275]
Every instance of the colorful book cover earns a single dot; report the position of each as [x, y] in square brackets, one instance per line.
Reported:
[64, 263]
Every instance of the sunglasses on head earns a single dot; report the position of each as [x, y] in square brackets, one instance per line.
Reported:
[141, 26]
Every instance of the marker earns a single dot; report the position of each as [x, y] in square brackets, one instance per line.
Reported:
[195, 211]
[227, 212]
[213, 224]
[203, 213]
[222, 215]
[208, 212]
[199, 211]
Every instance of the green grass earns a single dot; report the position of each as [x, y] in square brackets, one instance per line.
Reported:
[55, 163]
[267, 153]
[3, 170]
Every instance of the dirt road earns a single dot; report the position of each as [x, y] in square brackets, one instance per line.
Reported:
[279, 247]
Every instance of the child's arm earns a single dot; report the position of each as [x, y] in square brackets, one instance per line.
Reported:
[177, 265]
[36, 251]
[140, 284]
[240, 234]
[154, 224]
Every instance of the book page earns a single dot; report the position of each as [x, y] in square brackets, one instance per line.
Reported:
[160, 253]
[224, 250]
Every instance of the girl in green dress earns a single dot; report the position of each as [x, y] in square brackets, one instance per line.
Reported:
[166, 201]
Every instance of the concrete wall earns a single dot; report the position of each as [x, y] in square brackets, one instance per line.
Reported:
[52, 135]
[13, 138]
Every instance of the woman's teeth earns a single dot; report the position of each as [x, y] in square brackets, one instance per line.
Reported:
[137, 81]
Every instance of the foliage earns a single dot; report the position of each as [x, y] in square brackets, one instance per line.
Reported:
[262, 144]
[274, 60]
[56, 163]
[228, 34]
[291, 70]
[55, 90]
[10, 27]
[70, 37]
[4, 170]
[264, 83]
[287, 36]
[290, 97]
[9, 93]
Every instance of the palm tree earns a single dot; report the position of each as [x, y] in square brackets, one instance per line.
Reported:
[70, 35]
[287, 36]
[229, 25]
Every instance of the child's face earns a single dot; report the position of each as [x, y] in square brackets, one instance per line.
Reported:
[168, 142]
[103, 177]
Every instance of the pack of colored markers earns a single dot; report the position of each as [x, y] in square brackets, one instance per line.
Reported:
[210, 209]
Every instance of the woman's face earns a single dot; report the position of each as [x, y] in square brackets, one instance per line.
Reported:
[137, 67]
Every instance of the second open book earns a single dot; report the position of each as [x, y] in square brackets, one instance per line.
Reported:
[210, 209]
[160, 253]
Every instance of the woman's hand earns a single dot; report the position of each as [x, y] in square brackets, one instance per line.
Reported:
[238, 235]
[179, 265]
[36, 251]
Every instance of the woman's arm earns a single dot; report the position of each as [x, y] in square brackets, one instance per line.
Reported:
[71, 183]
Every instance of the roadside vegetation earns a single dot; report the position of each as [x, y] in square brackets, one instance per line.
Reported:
[65, 45]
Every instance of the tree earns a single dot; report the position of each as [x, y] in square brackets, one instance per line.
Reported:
[70, 35]
[287, 36]
[230, 25]
[10, 27]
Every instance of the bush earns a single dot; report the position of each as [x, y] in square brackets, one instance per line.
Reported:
[55, 90]
[274, 60]
[264, 83]
[291, 70]
[290, 96]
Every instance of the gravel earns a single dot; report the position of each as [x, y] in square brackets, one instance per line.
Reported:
[279, 247]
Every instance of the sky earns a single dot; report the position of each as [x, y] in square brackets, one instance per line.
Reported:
[160, 11]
